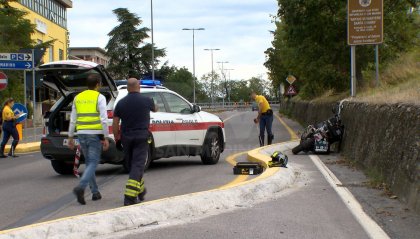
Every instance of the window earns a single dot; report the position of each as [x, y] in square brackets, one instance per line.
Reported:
[51, 53]
[60, 54]
[157, 98]
[177, 104]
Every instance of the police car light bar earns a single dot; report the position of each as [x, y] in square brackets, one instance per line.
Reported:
[150, 82]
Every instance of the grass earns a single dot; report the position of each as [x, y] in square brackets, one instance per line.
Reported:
[400, 82]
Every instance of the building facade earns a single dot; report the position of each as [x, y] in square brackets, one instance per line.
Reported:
[50, 19]
[94, 54]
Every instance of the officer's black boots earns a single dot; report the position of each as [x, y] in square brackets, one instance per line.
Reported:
[130, 200]
[12, 150]
[142, 194]
[134, 192]
[270, 139]
[261, 138]
[2, 151]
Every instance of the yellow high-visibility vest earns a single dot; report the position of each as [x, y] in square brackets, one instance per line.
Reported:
[88, 117]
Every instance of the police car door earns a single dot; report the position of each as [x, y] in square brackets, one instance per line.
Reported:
[161, 123]
[188, 131]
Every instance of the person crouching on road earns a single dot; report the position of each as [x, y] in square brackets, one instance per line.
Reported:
[134, 135]
[9, 128]
[89, 118]
[265, 118]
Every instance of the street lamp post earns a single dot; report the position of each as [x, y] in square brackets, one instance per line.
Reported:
[212, 71]
[193, 30]
[229, 70]
[153, 43]
[224, 76]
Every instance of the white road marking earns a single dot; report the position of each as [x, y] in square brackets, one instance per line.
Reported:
[370, 226]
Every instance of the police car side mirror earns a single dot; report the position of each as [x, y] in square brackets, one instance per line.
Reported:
[196, 108]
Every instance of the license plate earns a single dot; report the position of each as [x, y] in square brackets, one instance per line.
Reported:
[66, 142]
[321, 146]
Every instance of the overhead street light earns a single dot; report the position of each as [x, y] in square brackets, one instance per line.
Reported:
[229, 70]
[212, 71]
[153, 43]
[193, 31]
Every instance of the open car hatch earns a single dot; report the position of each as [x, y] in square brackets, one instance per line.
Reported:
[70, 76]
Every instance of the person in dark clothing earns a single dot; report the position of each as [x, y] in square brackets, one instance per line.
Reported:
[134, 112]
[9, 129]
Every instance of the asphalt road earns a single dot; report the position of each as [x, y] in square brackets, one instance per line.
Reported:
[310, 209]
[30, 191]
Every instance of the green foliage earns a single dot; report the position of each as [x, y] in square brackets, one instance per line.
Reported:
[129, 55]
[310, 42]
[181, 81]
[15, 33]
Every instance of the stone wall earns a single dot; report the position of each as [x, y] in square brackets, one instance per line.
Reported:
[384, 139]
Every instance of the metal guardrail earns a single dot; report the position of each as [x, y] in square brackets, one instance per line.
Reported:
[232, 105]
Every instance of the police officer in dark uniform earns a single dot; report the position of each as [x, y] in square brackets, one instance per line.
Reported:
[134, 112]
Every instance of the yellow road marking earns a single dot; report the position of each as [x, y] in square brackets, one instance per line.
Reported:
[292, 133]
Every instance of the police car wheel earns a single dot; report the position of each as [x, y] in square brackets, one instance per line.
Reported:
[211, 149]
[148, 160]
[61, 167]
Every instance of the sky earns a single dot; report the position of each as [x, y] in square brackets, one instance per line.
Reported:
[239, 28]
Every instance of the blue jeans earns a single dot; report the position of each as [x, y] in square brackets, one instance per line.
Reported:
[266, 123]
[91, 148]
[9, 129]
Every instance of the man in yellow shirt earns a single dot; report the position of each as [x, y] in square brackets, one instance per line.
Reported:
[264, 118]
[9, 128]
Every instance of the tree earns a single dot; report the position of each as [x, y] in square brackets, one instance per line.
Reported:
[321, 58]
[15, 33]
[129, 55]
[181, 81]
[211, 90]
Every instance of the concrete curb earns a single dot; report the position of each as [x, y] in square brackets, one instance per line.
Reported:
[26, 147]
[180, 208]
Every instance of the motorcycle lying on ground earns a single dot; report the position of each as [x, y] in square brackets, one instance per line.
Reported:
[319, 138]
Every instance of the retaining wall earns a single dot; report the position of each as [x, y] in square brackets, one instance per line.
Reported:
[384, 139]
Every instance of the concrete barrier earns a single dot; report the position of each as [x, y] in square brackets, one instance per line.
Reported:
[265, 187]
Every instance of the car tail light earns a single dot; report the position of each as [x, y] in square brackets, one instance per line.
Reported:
[110, 114]
[45, 141]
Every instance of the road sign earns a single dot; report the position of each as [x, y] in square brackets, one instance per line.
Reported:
[20, 109]
[3, 81]
[365, 22]
[16, 65]
[15, 57]
[290, 79]
[291, 91]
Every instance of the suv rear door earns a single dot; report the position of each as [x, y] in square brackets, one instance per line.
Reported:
[70, 76]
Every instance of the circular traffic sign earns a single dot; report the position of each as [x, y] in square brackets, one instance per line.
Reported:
[21, 110]
[3, 81]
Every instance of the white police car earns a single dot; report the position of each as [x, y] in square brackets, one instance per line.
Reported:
[180, 128]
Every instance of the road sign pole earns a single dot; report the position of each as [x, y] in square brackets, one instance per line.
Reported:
[377, 64]
[353, 70]
[24, 99]
[33, 92]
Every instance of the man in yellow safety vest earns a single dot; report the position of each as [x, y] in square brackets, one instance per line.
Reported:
[89, 118]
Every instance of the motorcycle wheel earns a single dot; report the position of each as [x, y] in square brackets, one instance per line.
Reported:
[306, 145]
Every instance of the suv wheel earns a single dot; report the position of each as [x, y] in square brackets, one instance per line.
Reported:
[61, 167]
[211, 149]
